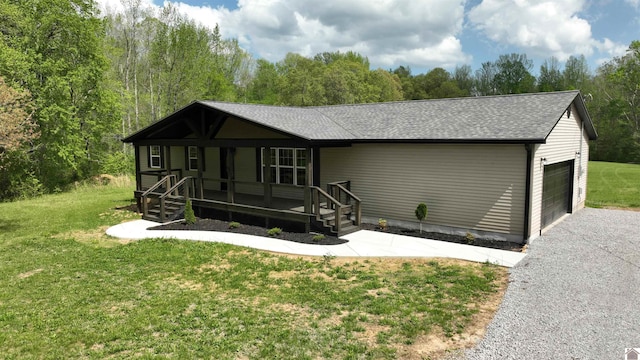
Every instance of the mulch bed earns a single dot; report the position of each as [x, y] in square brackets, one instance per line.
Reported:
[458, 239]
[218, 225]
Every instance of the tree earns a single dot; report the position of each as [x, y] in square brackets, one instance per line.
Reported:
[464, 79]
[513, 74]
[17, 128]
[302, 83]
[550, 78]
[406, 80]
[265, 86]
[55, 51]
[576, 73]
[385, 86]
[616, 108]
[484, 80]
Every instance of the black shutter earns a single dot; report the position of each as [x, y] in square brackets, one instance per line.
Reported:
[259, 164]
[187, 164]
[149, 157]
[201, 152]
[162, 151]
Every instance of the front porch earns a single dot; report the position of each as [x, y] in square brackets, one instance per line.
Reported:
[229, 165]
[165, 201]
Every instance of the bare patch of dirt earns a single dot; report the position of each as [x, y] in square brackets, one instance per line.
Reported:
[27, 274]
[95, 237]
[621, 208]
[177, 280]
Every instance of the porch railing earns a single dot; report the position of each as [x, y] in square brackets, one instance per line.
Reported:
[167, 181]
[181, 192]
[341, 191]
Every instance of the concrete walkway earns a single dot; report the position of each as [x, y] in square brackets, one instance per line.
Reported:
[361, 243]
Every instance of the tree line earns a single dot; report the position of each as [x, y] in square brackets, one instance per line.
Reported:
[73, 82]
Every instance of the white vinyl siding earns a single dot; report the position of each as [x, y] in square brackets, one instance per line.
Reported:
[478, 187]
[563, 144]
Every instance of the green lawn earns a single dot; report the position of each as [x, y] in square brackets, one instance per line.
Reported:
[613, 185]
[69, 291]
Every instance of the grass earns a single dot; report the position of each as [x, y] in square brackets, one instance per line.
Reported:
[613, 185]
[69, 291]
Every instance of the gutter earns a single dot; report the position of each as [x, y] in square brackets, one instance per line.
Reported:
[527, 198]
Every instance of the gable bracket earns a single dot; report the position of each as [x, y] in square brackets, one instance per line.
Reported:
[216, 126]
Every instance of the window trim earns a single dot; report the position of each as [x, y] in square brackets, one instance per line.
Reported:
[156, 156]
[189, 158]
[294, 167]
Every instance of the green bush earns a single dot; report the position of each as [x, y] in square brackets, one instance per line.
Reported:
[318, 237]
[118, 163]
[234, 225]
[189, 215]
[470, 238]
[421, 213]
[274, 231]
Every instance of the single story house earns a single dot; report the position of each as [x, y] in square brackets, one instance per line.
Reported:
[504, 167]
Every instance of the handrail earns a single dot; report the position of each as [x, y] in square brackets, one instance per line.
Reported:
[165, 180]
[173, 189]
[315, 206]
[351, 195]
[158, 184]
[176, 186]
[357, 202]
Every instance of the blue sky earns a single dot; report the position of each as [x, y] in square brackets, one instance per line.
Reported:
[424, 34]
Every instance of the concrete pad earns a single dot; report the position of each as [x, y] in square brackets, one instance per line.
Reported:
[360, 243]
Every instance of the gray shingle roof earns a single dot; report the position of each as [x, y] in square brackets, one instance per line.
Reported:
[302, 122]
[506, 118]
[526, 117]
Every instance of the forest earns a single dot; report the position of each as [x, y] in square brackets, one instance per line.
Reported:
[75, 81]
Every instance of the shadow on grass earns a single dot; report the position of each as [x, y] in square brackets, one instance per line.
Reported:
[8, 226]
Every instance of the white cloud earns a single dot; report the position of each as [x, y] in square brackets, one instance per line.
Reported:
[634, 3]
[419, 33]
[549, 28]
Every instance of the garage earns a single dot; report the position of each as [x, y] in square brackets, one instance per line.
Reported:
[556, 191]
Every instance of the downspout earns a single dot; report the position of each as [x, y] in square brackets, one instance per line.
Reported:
[580, 160]
[527, 197]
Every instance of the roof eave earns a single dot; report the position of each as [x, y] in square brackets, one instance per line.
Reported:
[452, 141]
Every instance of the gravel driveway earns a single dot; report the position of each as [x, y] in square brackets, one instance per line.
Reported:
[575, 296]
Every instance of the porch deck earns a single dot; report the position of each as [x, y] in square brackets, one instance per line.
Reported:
[277, 203]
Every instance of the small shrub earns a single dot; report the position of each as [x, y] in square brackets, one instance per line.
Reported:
[189, 215]
[382, 223]
[421, 213]
[274, 231]
[234, 225]
[470, 238]
[318, 237]
[326, 259]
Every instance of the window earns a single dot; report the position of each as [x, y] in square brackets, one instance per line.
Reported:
[288, 166]
[192, 158]
[155, 157]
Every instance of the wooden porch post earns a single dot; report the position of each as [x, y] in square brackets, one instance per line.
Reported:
[136, 152]
[307, 187]
[167, 163]
[231, 186]
[266, 159]
[308, 181]
[200, 191]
